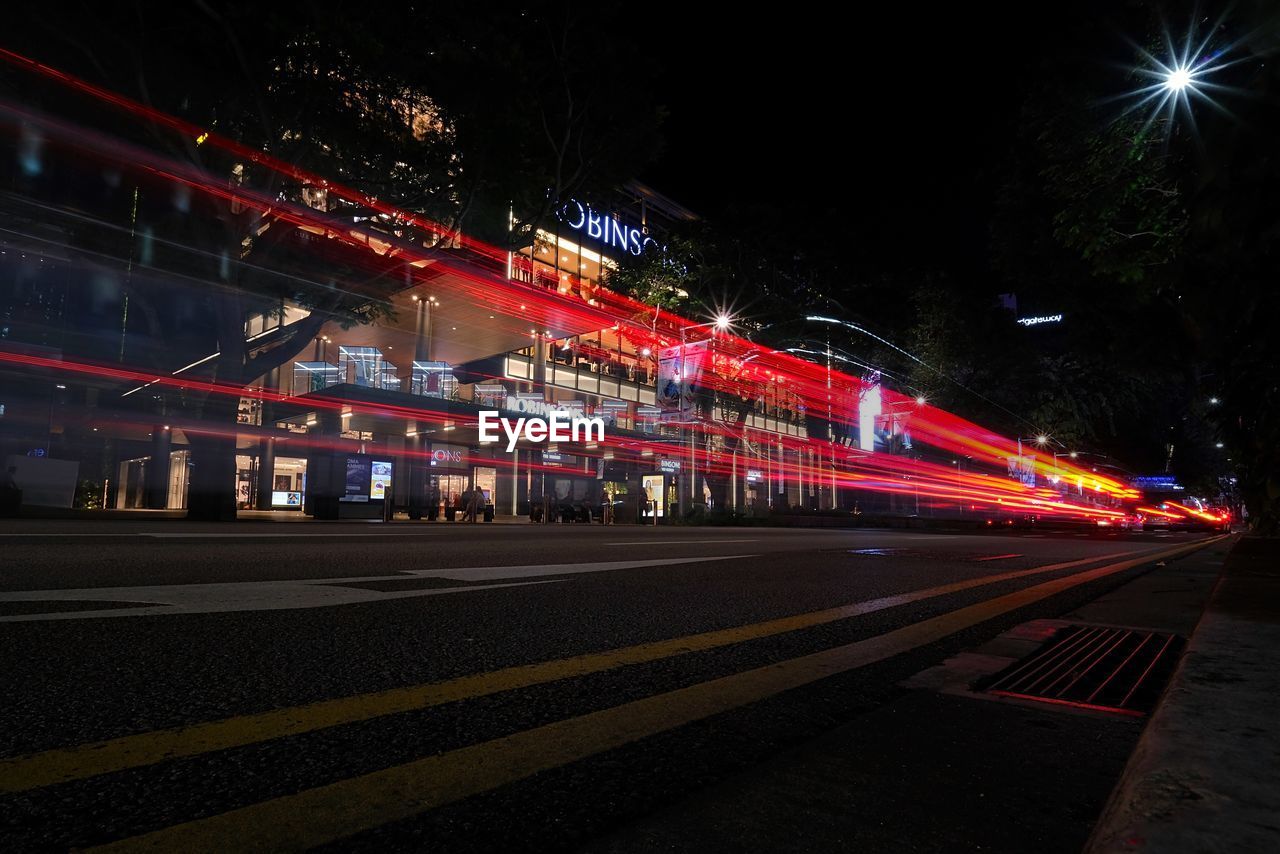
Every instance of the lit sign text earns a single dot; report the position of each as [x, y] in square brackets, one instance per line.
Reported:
[607, 229]
[1036, 321]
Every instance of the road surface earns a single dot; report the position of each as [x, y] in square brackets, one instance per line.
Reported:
[172, 686]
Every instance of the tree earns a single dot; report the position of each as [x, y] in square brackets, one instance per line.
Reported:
[1164, 235]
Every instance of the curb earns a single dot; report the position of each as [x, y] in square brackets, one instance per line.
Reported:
[1205, 776]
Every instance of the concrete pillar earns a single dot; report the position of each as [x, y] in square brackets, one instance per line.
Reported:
[422, 332]
[266, 473]
[540, 382]
[155, 488]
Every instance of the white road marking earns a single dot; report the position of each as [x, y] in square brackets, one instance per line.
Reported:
[218, 598]
[291, 594]
[183, 535]
[488, 573]
[674, 542]
[224, 536]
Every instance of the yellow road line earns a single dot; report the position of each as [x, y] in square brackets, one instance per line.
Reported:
[62, 765]
[316, 816]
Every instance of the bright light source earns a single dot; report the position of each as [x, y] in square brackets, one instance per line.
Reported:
[1218, 445]
[723, 321]
[920, 400]
[1213, 400]
[1074, 455]
[1177, 79]
[1042, 440]
[1183, 73]
[645, 352]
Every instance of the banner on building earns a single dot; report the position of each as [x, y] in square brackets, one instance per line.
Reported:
[679, 372]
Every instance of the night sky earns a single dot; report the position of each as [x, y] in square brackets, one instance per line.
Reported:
[882, 133]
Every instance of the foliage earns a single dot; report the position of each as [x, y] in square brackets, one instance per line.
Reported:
[1164, 237]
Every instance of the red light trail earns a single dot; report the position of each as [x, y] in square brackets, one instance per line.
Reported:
[737, 364]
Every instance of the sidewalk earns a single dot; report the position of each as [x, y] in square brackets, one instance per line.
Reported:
[1206, 773]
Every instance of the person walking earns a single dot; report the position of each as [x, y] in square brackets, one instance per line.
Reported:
[471, 501]
[433, 503]
[10, 493]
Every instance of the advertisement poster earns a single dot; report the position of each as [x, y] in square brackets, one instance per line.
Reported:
[380, 480]
[358, 476]
[678, 375]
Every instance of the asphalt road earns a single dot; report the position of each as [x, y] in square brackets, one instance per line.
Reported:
[472, 688]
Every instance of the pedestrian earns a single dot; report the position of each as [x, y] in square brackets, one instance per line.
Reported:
[473, 508]
[433, 502]
[10, 493]
[467, 502]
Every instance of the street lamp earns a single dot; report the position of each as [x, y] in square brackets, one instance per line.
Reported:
[1177, 79]
[1184, 72]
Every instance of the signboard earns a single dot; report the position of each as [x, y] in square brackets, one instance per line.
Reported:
[448, 456]
[533, 404]
[359, 474]
[1036, 321]
[669, 466]
[1023, 469]
[755, 475]
[679, 371]
[1163, 482]
[605, 228]
[379, 479]
[286, 499]
[869, 409]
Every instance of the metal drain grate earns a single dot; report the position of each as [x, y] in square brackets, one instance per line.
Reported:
[1093, 667]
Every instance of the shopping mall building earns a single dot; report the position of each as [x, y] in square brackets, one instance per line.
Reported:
[398, 400]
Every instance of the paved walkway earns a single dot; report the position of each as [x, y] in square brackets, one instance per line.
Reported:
[1206, 775]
